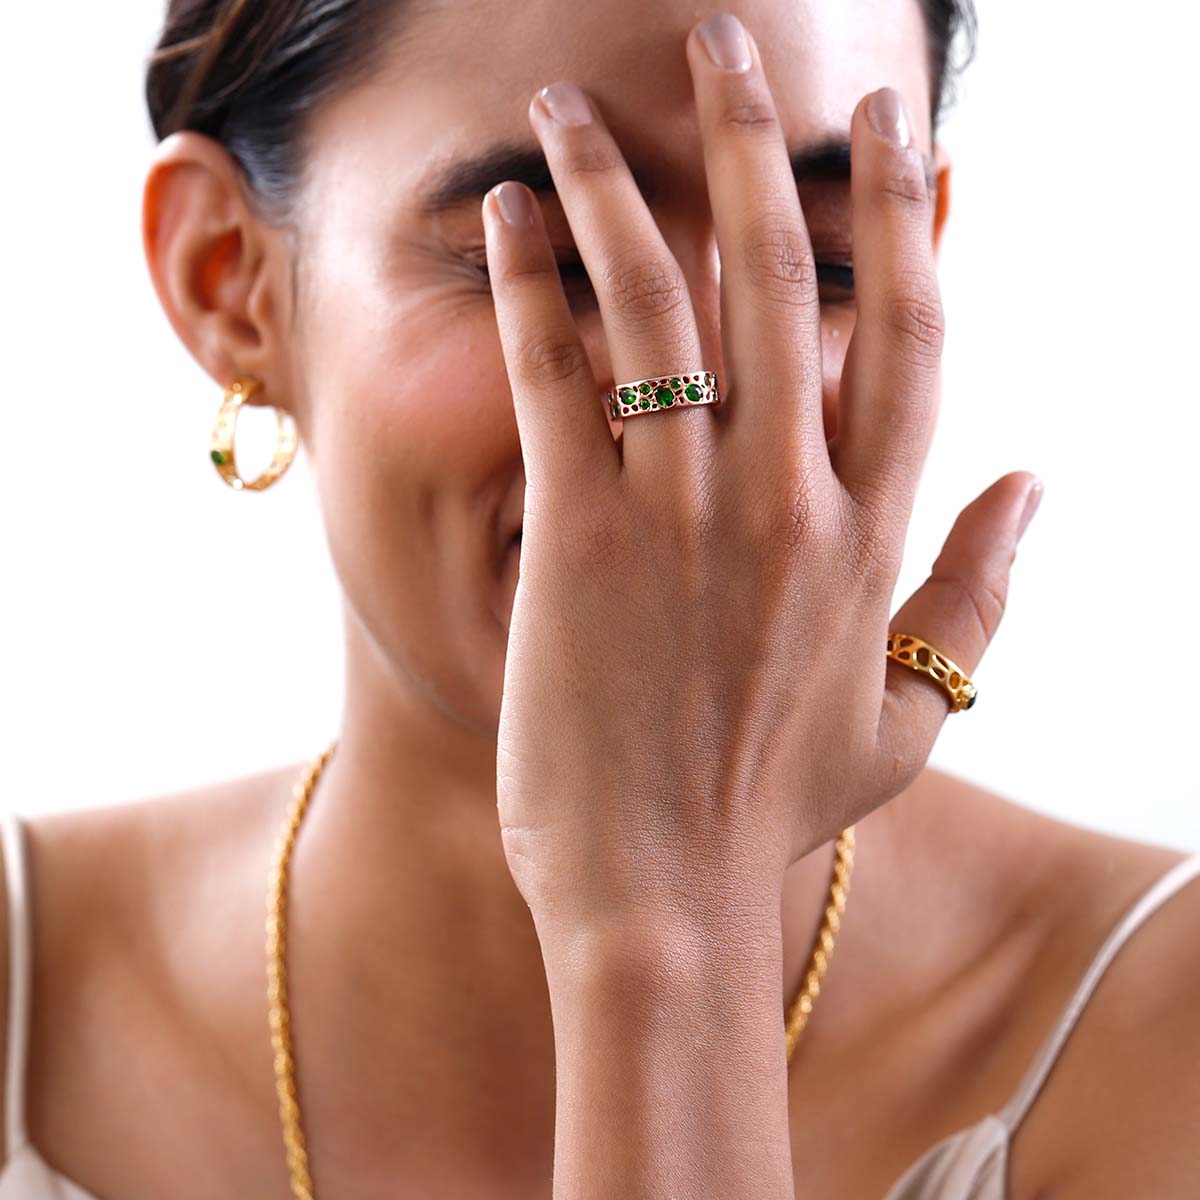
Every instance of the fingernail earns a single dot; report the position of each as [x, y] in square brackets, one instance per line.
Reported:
[889, 117]
[566, 103]
[514, 202]
[1032, 500]
[724, 38]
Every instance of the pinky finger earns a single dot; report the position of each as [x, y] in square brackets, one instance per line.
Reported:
[957, 610]
[565, 436]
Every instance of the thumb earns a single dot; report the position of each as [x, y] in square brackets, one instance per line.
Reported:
[957, 611]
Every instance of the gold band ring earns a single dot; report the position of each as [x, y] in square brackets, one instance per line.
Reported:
[918, 654]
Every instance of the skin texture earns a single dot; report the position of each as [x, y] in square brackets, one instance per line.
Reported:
[422, 1011]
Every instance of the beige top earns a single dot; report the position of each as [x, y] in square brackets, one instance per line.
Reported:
[970, 1164]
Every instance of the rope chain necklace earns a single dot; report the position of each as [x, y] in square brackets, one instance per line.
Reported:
[280, 1019]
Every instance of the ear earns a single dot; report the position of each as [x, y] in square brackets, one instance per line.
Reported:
[942, 164]
[220, 270]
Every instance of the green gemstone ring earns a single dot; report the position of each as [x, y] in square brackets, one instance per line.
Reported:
[668, 391]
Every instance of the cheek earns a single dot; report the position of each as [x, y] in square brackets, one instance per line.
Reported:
[414, 440]
[408, 417]
[408, 381]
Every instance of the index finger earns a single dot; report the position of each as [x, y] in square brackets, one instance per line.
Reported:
[565, 436]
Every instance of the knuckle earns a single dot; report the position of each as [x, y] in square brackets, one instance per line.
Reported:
[645, 288]
[874, 559]
[530, 273]
[903, 182]
[794, 519]
[591, 157]
[594, 543]
[547, 358]
[779, 260]
[981, 597]
[749, 111]
[868, 556]
[806, 515]
[883, 477]
[914, 318]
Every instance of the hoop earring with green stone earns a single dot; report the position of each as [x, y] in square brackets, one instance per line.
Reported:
[221, 450]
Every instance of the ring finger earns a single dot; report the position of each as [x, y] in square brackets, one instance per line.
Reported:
[641, 290]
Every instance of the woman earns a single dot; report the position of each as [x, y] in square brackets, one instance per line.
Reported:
[678, 709]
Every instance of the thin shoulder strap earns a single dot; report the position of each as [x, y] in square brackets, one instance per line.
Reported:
[18, 980]
[1158, 892]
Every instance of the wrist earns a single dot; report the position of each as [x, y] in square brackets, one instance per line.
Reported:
[666, 954]
[601, 909]
[671, 1059]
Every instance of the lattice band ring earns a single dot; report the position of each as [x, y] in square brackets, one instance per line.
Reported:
[913, 652]
[667, 391]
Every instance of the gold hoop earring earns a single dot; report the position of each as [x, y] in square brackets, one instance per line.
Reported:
[221, 453]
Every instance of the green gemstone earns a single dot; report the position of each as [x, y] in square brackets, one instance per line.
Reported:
[692, 392]
[675, 382]
[218, 457]
[628, 395]
[665, 397]
[645, 403]
[644, 389]
[972, 699]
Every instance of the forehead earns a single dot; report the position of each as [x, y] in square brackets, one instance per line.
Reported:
[457, 77]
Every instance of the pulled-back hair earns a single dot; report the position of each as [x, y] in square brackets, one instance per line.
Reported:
[249, 72]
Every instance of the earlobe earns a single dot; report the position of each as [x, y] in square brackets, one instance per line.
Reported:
[942, 165]
[211, 259]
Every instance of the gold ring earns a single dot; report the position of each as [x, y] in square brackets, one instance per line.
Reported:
[914, 652]
[665, 391]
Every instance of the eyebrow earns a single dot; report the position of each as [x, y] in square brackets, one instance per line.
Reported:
[472, 178]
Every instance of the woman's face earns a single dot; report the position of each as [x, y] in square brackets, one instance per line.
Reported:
[395, 360]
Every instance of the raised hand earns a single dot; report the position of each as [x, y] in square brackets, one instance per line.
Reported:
[696, 692]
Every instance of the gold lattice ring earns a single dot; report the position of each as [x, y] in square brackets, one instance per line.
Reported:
[221, 451]
[918, 654]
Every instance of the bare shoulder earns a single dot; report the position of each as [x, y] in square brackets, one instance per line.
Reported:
[114, 893]
[131, 874]
[1118, 1113]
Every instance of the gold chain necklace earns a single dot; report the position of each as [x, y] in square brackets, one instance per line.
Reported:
[281, 1037]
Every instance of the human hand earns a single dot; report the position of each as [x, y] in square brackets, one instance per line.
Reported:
[696, 692]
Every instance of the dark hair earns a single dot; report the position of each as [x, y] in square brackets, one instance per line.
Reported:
[945, 21]
[249, 72]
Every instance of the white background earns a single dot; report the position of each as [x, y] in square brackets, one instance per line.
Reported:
[160, 629]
